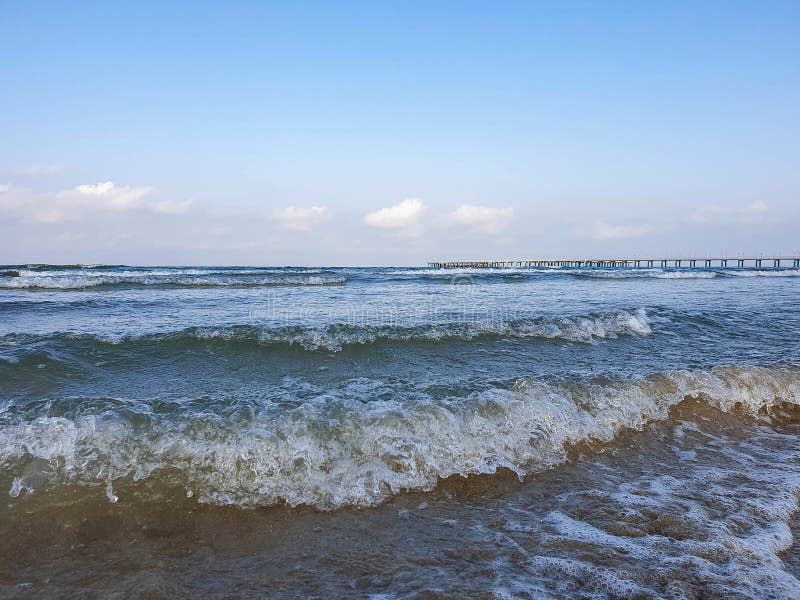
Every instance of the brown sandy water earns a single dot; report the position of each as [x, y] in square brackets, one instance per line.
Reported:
[698, 506]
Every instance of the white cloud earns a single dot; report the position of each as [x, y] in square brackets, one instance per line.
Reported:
[82, 201]
[607, 231]
[14, 200]
[757, 212]
[220, 231]
[68, 236]
[403, 215]
[23, 205]
[170, 208]
[699, 217]
[300, 219]
[87, 198]
[107, 196]
[482, 219]
[52, 215]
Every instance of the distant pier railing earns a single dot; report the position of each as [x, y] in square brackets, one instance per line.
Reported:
[775, 262]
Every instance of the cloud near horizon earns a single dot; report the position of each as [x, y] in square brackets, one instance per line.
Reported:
[482, 219]
[757, 212]
[15, 201]
[606, 231]
[300, 219]
[404, 215]
[106, 196]
[82, 201]
[170, 208]
[93, 218]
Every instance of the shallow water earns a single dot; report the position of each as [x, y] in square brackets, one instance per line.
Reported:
[399, 432]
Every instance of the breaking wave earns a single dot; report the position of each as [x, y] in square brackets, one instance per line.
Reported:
[335, 337]
[336, 449]
[765, 273]
[646, 274]
[27, 280]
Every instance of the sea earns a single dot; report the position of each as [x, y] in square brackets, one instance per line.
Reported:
[382, 433]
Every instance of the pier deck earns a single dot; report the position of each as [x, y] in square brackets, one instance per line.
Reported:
[775, 262]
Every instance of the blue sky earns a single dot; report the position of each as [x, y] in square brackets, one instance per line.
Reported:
[394, 133]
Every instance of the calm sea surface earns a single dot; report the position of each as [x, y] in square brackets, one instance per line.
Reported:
[399, 432]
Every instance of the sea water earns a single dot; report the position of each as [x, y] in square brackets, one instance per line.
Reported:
[399, 432]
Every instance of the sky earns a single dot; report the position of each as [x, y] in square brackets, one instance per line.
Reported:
[393, 133]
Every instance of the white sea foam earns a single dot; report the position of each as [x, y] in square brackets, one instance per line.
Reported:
[335, 337]
[711, 528]
[335, 450]
[645, 274]
[765, 273]
[83, 280]
[468, 271]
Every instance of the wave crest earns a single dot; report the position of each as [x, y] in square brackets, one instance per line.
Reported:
[334, 451]
[335, 337]
[181, 280]
[338, 336]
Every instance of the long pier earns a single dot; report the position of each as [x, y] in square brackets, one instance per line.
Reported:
[719, 262]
